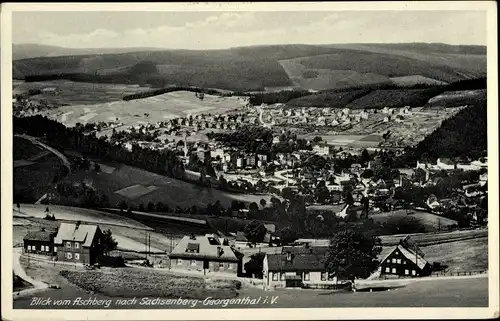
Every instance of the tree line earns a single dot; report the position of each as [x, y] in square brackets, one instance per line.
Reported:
[164, 162]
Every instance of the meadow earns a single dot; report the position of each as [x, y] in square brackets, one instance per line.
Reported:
[431, 221]
[78, 93]
[118, 179]
[129, 282]
[148, 110]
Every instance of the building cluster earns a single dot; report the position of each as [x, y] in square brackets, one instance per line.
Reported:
[75, 243]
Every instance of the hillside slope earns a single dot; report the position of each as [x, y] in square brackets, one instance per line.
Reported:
[256, 68]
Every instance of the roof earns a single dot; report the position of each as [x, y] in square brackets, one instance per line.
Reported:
[240, 237]
[305, 250]
[82, 233]
[39, 236]
[298, 262]
[407, 253]
[208, 249]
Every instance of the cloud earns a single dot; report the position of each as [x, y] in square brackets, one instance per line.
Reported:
[230, 29]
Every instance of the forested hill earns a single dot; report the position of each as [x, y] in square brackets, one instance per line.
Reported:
[464, 134]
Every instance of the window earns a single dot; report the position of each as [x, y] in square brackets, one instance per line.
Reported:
[331, 276]
[282, 278]
[394, 270]
[69, 255]
[274, 276]
[323, 276]
[393, 260]
[388, 270]
[221, 265]
[398, 261]
[413, 272]
[77, 245]
[55, 248]
[77, 256]
[193, 262]
[29, 247]
[307, 276]
[230, 266]
[407, 272]
[179, 261]
[68, 245]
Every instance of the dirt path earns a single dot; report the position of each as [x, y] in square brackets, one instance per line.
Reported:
[19, 271]
[54, 151]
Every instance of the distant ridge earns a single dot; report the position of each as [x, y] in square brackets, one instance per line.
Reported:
[255, 68]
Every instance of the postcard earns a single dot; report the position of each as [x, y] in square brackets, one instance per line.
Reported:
[249, 160]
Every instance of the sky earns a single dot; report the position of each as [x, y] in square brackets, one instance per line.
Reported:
[218, 30]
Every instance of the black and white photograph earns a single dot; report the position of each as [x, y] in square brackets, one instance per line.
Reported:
[251, 157]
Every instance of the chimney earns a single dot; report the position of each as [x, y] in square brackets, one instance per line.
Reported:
[220, 251]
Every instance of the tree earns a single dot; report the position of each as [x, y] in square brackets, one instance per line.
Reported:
[255, 231]
[151, 207]
[365, 157]
[253, 207]
[108, 242]
[352, 255]
[255, 265]
[288, 236]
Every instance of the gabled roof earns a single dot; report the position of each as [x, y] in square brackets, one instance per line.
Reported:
[82, 233]
[208, 249]
[39, 236]
[298, 262]
[408, 253]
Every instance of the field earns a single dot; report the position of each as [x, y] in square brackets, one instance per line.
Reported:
[167, 190]
[427, 239]
[414, 127]
[78, 93]
[460, 256]
[456, 98]
[129, 282]
[431, 221]
[129, 233]
[132, 113]
[326, 78]
[415, 80]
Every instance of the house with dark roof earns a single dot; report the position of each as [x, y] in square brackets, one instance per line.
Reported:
[206, 254]
[405, 259]
[297, 267]
[79, 243]
[39, 242]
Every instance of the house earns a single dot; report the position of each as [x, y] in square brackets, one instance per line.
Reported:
[79, 243]
[405, 259]
[304, 268]
[39, 242]
[445, 163]
[206, 254]
[276, 140]
[321, 149]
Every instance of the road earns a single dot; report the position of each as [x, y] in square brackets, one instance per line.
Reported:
[281, 175]
[54, 151]
[19, 271]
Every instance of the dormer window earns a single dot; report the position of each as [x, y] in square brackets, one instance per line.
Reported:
[193, 248]
[289, 256]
